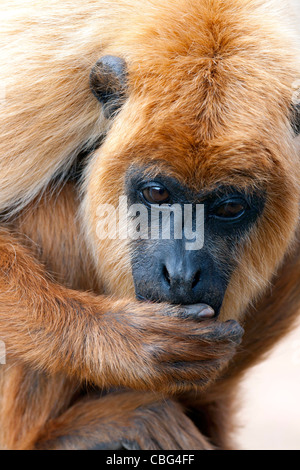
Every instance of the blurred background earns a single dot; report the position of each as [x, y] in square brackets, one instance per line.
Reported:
[270, 396]
[270, 401]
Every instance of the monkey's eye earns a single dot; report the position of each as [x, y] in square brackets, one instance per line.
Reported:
[156, 194]
[230, 210]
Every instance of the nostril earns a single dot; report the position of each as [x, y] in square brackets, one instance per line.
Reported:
[166, 275]
[196, 279]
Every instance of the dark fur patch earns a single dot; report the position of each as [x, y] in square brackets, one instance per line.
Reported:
[108, 80]
[296, 119]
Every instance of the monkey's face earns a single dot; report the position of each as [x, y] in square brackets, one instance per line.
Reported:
[202, 126]
[229, 207]
[184, 242]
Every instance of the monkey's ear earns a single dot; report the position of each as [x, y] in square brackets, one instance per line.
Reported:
[296, 119]
[108, 82]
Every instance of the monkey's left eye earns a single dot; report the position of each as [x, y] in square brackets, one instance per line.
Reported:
[156, 195]
[230, 210]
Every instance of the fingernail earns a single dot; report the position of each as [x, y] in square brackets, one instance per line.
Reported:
[201, 311]
[207, 312]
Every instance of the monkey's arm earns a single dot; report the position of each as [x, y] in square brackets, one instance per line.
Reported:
[120, 421]
[95, 338]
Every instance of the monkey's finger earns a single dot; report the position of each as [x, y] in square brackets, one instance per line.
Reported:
[187, 330]
[207, 331]
[184, 352]
[197, 312]
[199, 373]
[228, 331]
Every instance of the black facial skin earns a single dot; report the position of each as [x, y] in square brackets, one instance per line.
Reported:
[163, 270]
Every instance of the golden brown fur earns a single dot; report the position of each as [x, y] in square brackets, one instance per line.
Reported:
[57, 339]
[218, 80]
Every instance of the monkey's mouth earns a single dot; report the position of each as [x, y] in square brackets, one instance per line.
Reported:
[191, 309]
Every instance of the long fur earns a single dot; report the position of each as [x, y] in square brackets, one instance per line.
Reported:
[210, 92]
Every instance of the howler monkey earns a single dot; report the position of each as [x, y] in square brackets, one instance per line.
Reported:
[197, 105]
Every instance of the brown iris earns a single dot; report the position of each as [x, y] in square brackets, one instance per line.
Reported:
[230, 210]
[156, 195]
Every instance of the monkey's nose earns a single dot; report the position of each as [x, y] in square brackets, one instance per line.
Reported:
[181, 282]
[178, 279]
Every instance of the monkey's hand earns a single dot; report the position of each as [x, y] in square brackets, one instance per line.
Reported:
[164, 348]
[111, 343]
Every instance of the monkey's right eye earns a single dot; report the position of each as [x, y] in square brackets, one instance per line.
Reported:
[156, 194]
[231, 210]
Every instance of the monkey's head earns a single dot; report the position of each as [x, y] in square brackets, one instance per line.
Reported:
[202, 130]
